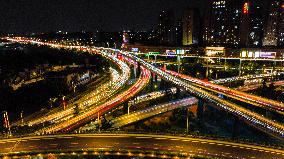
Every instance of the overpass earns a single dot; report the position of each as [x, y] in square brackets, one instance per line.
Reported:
[262, 123]
[238, 95]
[258, 121]
[150, 112]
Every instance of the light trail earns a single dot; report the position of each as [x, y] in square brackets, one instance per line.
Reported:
[260, 122]
[152, 111]
[241, 96]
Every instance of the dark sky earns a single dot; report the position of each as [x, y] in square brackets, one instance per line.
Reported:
[26, 16]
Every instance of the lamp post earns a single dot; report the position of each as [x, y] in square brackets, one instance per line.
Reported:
[22, 119]
[187, 120]
[128, 108]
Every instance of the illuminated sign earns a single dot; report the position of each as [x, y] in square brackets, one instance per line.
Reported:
[258, 54]
[134, 49]
[213, 51]
[267, 54]
[153, 53]
[244, 54]
[180, 52]
[246, 8]
[171, 52]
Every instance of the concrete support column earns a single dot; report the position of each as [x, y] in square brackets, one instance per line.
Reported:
[235, 129]
[178, 61]
[207, 69]
[135, 70]
[240, 68]
[200, 110]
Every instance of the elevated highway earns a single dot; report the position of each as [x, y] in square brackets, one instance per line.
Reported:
[258, 121]
[152, 111]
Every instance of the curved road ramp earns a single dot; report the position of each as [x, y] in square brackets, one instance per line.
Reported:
[133, 144]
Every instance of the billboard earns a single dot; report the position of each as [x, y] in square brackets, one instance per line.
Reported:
[180, 52]
[258, 54]
[154, 53]
[134, 49]
[267, 55]
[214, 51]
[171, 52]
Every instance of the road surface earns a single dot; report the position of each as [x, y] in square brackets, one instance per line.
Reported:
[149, 143]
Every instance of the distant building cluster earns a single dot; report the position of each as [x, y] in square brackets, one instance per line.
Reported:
[229, 23]
[226, 23]
[244, 23]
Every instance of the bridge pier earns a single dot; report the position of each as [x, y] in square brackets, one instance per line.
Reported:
[207, 69]
[225, 65]
[138, 69]
[240, 68]
[178, 61]
[200, 110]
[135, 71]
[235, 128]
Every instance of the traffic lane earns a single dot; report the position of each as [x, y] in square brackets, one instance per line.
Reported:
[153, 143]
[7, 145]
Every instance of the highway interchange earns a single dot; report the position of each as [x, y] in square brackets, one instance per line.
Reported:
[198, 88]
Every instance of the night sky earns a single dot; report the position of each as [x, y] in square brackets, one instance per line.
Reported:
[27, 16]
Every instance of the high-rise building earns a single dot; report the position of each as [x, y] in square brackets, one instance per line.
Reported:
[178, 33]
[251, 28]
[233, 23]
[222, 22]
[281, 26]
[271, 35]
[166, 27]
[191, 25]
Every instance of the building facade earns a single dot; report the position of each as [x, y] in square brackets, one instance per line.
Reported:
[252, 19]
[272, 24]
[190, 27]
[233, 23]
[166, 27]
[222, 23]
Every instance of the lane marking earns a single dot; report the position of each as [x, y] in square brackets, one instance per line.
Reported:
[74, 143]
[161, 138]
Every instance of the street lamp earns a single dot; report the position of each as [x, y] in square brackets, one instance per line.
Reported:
[187, 120]
[74, 88]
[128, 108]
